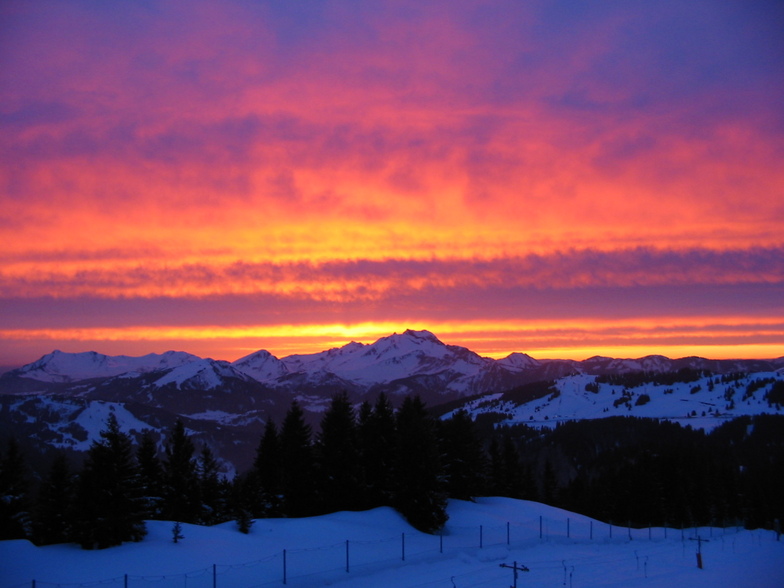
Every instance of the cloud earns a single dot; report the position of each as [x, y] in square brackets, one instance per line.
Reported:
[364, 156]
[122, 276]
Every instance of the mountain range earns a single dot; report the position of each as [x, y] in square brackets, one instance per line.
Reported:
[62, 400]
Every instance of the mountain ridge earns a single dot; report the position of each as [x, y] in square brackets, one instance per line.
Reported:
[358, 359]
[227, 404]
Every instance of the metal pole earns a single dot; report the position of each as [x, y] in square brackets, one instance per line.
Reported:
[568, 530]
[481, 543]
[403, 546]
[284, 566]
[347, 556]
[507, 533]
[540, 526]
[441, 542]
[591, 536]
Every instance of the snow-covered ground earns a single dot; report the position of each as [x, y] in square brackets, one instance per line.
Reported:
[377, 548]
[705, 403]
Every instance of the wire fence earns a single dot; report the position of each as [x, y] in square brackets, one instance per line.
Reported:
[299, 567]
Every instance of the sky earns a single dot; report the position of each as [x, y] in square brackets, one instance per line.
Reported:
[560, 178]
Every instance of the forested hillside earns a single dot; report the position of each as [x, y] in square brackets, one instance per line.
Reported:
[625, 470]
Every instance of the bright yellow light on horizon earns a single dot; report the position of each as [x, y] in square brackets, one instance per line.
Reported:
[554, 339]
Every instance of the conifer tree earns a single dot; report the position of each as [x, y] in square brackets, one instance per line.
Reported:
[244, 521]
[177, 532]
[464, 461]
[243, 497]
[267, 473]
[549, 493]
[151, 474]
[181, 484]
[297, 464]
[420, 494]
[512, 469]
[364, 436]
[495, 482]
[213, 503]
[338, 457]
[377, 442]
[14, 486]
[52, 521]
[507, 476]
[109, 504]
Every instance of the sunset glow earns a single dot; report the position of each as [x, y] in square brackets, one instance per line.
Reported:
[557, 179]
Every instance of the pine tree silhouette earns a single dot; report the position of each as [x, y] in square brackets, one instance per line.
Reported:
[109, 504]
[338, 457]
[420, 492]
[14, 488]
[297, 464]
[52, 520]
[181, 485]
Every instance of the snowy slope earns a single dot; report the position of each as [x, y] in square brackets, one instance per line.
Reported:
[72, 367]
[705, 402]
[72, 423]
[378, 549]
[201, 374]
[261, 365]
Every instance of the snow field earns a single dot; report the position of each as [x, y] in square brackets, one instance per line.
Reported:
[378, 548]
[706, 409]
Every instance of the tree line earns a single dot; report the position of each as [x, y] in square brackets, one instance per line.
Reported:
[621, 469]
[359, 459]
[642, 472]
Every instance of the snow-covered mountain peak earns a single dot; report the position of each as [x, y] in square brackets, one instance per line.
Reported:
[204, 374]
[423, 335]
[409, 341]
[262, 355]
[261, 366]
[518, 361]
[62, 367]
[394, 357]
